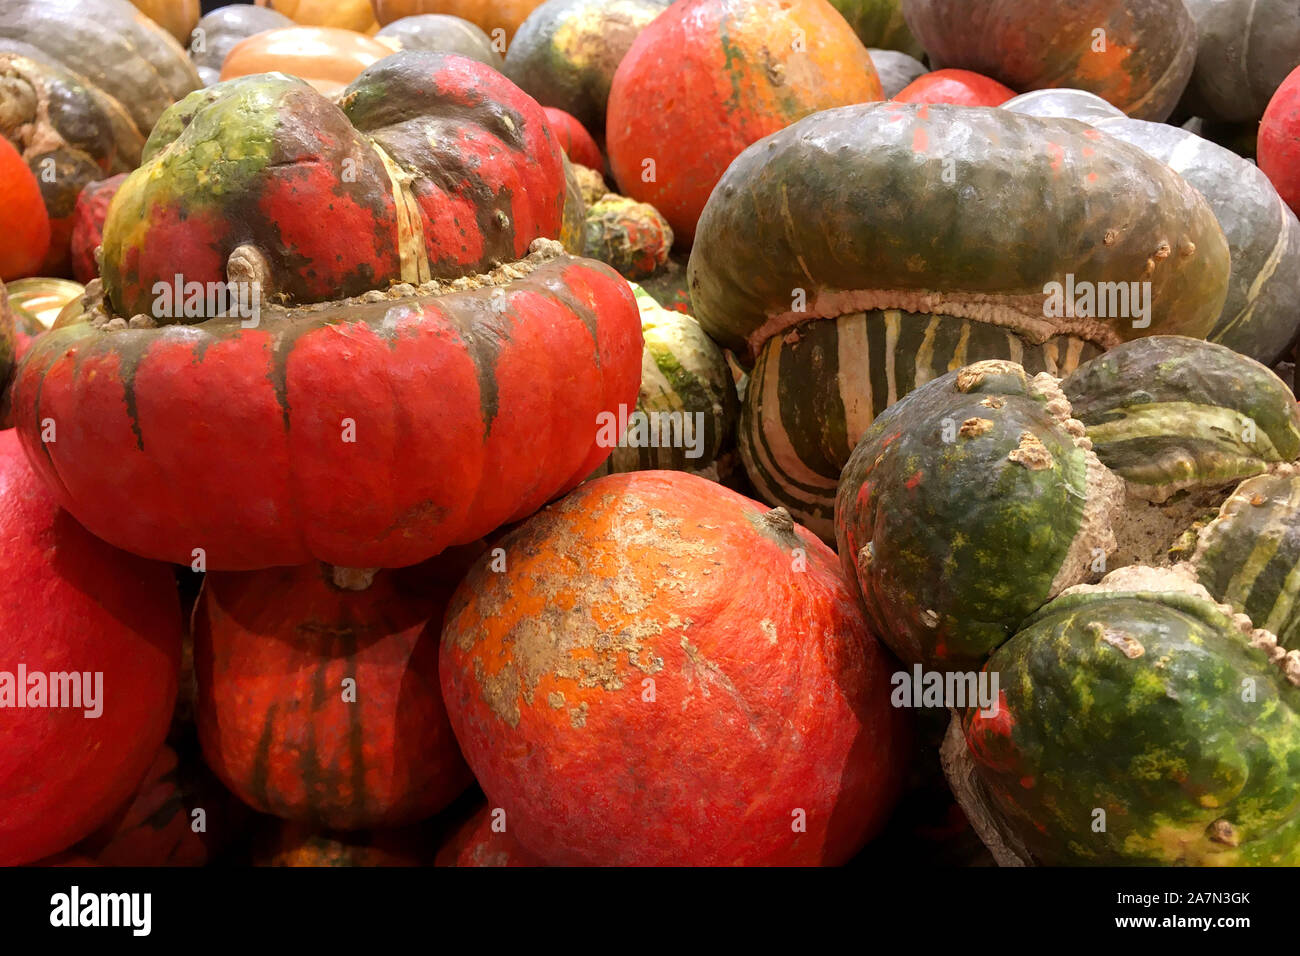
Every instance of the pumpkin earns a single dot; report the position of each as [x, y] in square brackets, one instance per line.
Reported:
[654, 645]
[88, 224]
[494, 17]
[82, 608]
[26, 237]
[438, 33]
[296, 845]
[177, 17]
[329, 58]
[685, 384]
[450, 390]
[1245, 49]
[959, 87]
[756, 66]
[219, 31]
[631, 236]
[319, 703]
[896, 70]
[574, 139]
[1198, 771]
[1279, 140]
[355, 15]
[1261, 315]
[566, 52]
[879, 23]
[848, 299]
[484, 840]
[1137, 56]
[987, 476]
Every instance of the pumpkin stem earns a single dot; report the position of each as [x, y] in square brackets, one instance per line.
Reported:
[353, 579]
[778, 524]
[247, 264]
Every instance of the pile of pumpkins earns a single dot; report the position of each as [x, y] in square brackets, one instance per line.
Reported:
[634, 432]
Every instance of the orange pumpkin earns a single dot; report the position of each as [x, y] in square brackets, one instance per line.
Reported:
[177, 17]
[345, 14]
[329, 58]
[490, 15]
[754, 67]
[26, 235]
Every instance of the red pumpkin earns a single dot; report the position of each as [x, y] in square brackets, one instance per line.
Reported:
[751, 67]
[574, 138]
[958, 87]
[321, 704]
[75, 604]
[1279, 140]
[484, 840]
[668, 673]
[88, 225]
[26, 235]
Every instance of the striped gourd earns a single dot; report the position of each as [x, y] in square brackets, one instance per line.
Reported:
[814, 392]
[687, 397]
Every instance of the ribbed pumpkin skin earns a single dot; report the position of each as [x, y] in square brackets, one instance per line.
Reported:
[574, 139]
[1246, 48]
[1149, 47]
[76, 605]
[1168, 413]
[657, 644]
[1159, 677]
[1101, 210]
[940, 509]
[219, 31]
[896, 70]
[815, 391]
[958, 87]
[477, 843]
[489, 15]
[329, 58]
[439, 33]
[480, 195]
[1279, 140]
[88, 224]
[108, 42]
[1261, 315]
[566, 52]
[879, 23]
[272, 652]
[755, 66]
[455, 431]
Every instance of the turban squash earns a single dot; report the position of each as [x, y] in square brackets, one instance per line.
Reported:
[385, 421]
[848, 299]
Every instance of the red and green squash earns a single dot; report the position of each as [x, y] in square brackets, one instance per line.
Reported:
[320, 703]
[1137, 56]
[78, 606]
[655, 644]
[631, 236]
[756, 67]
[958, 87]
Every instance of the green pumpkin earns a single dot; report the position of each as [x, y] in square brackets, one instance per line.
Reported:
[1245, 49]
[441, 33]
[1200, 727]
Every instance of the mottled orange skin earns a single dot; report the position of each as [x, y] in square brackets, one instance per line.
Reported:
[26, 235]
[708, 77]
[665, 673]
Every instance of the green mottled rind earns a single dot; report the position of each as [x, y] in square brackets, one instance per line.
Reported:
[631, 236]
[1163, 742]
[880, 23]
[956, 531]
[815, 391]
[565, 54]
[681, 371]
[1169, 413]
[442, 33]
[1249, 555]
[957, 202]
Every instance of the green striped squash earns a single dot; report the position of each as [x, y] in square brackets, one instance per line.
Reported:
[815, 391]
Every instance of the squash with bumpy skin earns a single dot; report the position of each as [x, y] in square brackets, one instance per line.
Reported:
[219, 31]
[663, 642]
[1137, 56]
[631, 236]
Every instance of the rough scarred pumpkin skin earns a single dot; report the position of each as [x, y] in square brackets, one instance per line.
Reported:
[491, 183]
[631, 236]
[1279, 140]
[1149, 46]
[477, 843]
[219, 31]
[756, 66]
[76, 604]
[471, 409]
[958, 87]
[759, 660]
[272, 652]
[88, 225]
[328, 58]
[574, 139]
[1158, 676]
[907, 238]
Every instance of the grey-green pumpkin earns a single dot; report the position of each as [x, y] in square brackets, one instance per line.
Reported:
[1245, 49]
[442, 33]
